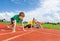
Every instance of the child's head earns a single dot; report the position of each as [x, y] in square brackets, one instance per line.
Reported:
[21, 15]
[34, 20]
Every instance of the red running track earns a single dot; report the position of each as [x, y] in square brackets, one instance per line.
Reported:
[28, 35]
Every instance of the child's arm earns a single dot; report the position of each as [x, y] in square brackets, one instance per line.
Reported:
[31, 27]
[40, 25]
[23, 25]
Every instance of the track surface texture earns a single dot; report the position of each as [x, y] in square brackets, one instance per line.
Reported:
[35, 34]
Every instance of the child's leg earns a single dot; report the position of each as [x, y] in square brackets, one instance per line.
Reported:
[14, 26]
[30, 26]
[41, 26]
[26, 26]
[11, 23]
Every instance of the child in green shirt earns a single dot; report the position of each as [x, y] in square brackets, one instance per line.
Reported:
[17, 19]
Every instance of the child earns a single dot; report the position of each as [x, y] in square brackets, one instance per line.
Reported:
[33, 23]
[17, 19]
[30, 24]
[38, 24]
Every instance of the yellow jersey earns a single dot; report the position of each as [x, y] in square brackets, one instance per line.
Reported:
[31, 22]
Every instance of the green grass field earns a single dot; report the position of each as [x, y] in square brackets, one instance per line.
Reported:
[49, 26]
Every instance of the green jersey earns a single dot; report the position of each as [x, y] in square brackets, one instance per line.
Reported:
[18, 20]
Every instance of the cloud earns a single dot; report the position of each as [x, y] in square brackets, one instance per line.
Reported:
[6, 15]
[47, 12]
[49, 8]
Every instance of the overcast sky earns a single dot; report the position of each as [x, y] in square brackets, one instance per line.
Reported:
[42, 10]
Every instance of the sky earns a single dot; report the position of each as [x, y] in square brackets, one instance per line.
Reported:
[13, 5]
[42, 10]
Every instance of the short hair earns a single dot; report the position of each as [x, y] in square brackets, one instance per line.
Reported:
[22, 14]
[34, 19]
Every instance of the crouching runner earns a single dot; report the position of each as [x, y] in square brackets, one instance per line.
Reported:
[17, 19]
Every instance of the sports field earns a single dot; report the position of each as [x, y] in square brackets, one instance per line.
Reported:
[52, 26]
[49, 33]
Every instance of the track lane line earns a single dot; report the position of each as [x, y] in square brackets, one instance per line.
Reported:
[10, 33]
[6, 33]
[19, 35]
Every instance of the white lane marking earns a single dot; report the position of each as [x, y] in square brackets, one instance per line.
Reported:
[10, 33]
[18, 36]
[6, 33]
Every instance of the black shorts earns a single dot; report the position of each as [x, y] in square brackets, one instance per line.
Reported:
[29, 26]
[12, 20]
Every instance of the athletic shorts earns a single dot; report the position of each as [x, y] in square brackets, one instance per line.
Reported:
[12, 20]
[29, 26]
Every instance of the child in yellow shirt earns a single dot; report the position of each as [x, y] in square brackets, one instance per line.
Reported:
[30, 23]
[34, 23]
